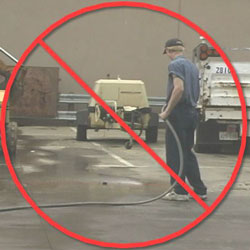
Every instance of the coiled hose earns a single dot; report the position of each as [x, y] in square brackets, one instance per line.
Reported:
[78, 204]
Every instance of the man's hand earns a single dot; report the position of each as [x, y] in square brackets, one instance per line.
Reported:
[164, 112]
[164, 115]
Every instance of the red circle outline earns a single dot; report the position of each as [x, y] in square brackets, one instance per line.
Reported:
[156, 9]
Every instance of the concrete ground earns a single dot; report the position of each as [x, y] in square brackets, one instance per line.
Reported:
[54, 168]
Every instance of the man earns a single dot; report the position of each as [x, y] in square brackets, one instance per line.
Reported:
[182, 95]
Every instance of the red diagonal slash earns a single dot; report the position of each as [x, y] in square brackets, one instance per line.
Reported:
[123, 124]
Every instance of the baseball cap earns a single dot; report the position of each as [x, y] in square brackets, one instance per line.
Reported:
[173, 43]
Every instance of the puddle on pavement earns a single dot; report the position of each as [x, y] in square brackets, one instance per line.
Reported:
[59, 172]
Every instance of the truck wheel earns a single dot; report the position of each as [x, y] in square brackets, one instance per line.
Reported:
[201, 148]
[152, 134]
[206, 137]
[81, 133]
[11, 137]
[208, 149]
[199, 144]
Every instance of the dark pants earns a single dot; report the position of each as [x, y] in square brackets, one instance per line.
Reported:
[184, 120]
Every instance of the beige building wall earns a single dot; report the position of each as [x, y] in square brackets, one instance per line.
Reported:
[125, 42]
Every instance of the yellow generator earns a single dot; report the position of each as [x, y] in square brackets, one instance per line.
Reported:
[128, 99]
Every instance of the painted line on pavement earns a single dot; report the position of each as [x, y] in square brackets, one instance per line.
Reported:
[116, 157]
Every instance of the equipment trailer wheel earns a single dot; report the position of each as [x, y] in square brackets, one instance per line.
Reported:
[81, 133]
[152, 134]
[11, 138]
[128, 144]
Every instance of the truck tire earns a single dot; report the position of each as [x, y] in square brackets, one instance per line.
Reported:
[206, 138]
[152, 134]
[81, 133]
[11, 138]
[207, 149]
[201, 148]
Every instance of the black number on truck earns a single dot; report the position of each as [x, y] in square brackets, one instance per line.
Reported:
[222, 70]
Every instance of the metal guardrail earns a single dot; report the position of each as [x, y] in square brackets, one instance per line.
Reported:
[84, 99]
[74, 98]
[156, 101]
[66, 115]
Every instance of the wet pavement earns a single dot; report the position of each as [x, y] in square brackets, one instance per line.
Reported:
[54, 168]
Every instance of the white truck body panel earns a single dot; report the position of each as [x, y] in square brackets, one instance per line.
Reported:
[219, 96]
[220, 123]
[219, 100]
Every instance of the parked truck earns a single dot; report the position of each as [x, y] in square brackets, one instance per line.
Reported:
[11, 127]
[220, 125]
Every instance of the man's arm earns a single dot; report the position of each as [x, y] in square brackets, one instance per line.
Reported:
[175, 97]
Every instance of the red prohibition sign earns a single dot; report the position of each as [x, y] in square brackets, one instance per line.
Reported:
[40, 41]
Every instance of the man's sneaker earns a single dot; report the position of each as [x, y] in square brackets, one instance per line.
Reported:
[202, 196]
[172, 196]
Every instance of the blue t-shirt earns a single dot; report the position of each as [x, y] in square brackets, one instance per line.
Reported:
[188, 72]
